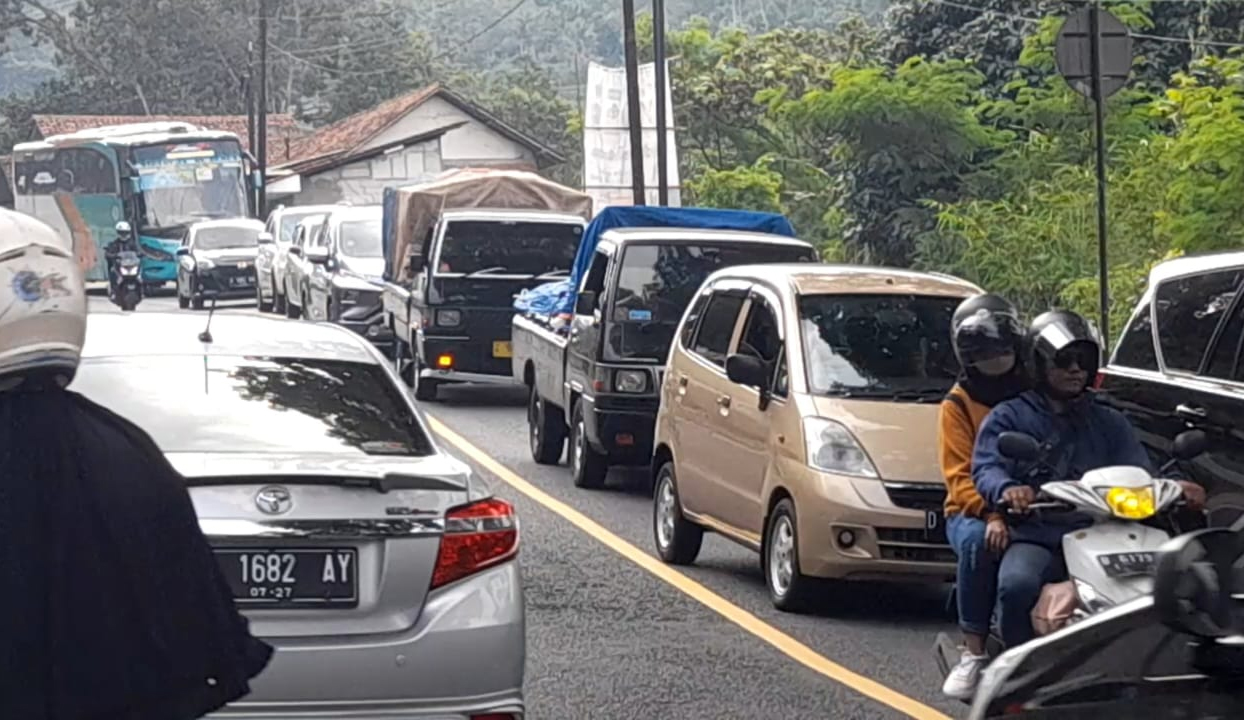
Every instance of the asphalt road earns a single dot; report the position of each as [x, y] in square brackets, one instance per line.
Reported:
[610, 638]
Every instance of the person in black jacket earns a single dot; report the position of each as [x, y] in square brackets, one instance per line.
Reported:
[113, 606]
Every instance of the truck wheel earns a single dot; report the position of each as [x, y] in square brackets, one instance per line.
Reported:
[678, 539]
[588, 467]
[546, 431]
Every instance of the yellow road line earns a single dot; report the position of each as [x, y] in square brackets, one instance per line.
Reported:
[784, 643]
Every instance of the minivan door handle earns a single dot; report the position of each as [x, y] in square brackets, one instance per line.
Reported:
[723, 401]
[1191, 412]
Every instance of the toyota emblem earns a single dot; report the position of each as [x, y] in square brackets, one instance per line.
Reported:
[273, 500]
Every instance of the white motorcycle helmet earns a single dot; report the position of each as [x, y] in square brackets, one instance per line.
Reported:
[123, 228]
[42, 300]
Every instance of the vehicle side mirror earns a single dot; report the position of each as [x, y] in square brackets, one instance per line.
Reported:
[295, 251]
[265, 238]
[183, 252]
[747, 370]
[585, 303]
[1018, 446]
[1195, 579]
[1189, 444]
[317, 255]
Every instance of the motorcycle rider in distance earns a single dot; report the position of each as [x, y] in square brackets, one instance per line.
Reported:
[1077, 433]
[124, 241]
[988, 340]
[114, 606]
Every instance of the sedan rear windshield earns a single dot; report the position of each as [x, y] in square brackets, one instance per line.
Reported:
[886, 346]
[220, 404]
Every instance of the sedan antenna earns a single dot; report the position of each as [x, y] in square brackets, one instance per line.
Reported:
[206, 335]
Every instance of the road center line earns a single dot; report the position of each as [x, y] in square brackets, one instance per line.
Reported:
[784, 643]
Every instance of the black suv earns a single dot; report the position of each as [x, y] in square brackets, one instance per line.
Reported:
[1178, 365]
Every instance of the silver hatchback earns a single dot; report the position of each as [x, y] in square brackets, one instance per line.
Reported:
[385, 576]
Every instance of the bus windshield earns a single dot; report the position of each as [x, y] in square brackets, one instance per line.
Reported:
[184, 182]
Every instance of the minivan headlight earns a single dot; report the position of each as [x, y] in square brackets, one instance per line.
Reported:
[832, 448]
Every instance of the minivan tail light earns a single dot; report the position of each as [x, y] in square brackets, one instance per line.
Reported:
[477, 536]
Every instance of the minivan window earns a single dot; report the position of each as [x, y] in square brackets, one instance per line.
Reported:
[761, 338]
[1188, 311]
[289, 224]
[657, 282]
[360, 238]
[892, 346]
[1136, 346]
[693, 317]
[712, 342]
[508, 248]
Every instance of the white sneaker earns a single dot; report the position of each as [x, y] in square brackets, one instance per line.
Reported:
[961, 682]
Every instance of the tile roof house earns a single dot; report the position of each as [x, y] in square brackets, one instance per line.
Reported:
[407, 139]
[283, 130]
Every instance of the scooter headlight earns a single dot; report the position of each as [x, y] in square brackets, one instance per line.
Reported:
[1130, 503]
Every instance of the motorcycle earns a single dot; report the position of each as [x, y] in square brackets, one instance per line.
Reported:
[127, 281]
[1111, 561]
[1178, 653]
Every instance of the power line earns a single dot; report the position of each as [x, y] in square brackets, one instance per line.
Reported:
[500, 19]
[1142, 36]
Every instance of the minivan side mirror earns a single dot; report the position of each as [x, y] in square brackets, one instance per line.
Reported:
[747, 370]
[317, 254]
[182, 251]
[585, 303]
[265, 238]
[295, 251]
[1018, 446]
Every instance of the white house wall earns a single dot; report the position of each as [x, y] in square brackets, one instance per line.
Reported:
[472, 144]
[363, 182]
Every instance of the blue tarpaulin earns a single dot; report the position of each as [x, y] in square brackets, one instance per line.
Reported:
[649, 216]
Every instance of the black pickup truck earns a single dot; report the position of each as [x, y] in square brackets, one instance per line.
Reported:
[598, 378]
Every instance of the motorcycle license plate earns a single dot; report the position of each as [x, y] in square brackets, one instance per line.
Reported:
[1127, 564]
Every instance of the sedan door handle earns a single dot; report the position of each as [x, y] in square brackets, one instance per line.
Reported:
[1191, 411]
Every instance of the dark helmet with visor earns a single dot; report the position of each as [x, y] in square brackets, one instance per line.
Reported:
[1060, 338]
[985, 327]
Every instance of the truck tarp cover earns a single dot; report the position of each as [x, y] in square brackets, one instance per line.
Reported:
[646, 216]
[416, 207]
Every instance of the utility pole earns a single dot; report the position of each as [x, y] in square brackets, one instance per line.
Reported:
[635, 121]
[1099, 130]
[658, 43]
[261, 149]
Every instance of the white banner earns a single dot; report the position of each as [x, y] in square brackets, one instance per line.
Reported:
[607, 141]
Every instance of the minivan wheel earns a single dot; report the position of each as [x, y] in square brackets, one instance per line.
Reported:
[588, 467]
[789, 589]
[546, 431]
[678, 539]
[183, 302]
[265, 306]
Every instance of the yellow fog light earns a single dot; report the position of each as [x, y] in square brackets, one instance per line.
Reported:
[1130, 503]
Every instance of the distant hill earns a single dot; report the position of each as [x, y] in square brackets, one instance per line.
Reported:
[552, 33]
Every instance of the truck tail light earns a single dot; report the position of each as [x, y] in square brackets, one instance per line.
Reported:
[477, 536]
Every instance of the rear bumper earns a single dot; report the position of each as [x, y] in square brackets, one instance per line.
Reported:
[608, 431]
[473, 359]
[465, 655]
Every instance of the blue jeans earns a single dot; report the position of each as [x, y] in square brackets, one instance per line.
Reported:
[1024, 569]
[977, 575]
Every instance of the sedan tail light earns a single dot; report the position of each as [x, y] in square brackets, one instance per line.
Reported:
[477, 536]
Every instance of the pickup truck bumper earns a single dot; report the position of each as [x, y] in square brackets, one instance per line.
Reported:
[621, 427]
[472, 360]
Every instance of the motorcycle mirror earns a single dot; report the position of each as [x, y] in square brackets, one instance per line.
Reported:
[1018, 446]
[1194, 582]
[1189, 444]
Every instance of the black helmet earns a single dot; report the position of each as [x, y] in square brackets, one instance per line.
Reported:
[985, 326]
[1055, 332]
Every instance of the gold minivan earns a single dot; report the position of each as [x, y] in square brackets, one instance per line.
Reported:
[798, 417]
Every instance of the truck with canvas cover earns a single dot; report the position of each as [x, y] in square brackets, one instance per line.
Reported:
[458, 249]
[591, 349]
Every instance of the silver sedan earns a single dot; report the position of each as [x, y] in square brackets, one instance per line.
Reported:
[384, 574]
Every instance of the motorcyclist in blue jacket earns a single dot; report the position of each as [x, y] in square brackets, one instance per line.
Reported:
[1077, 434]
